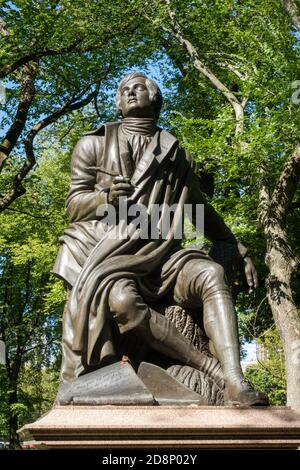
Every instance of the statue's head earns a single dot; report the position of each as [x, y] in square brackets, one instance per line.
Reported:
[138, 96]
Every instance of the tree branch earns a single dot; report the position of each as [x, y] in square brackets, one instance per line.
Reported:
[105, 75]
[225, 65]
[37, 55]
[204, 70]
[17, 189]
[40, 345]
[264, 197]
[287, 185]
[15, 130]
[62, 137]
[27, 290]
[245, 101]
[3, 28]
[75, 47]
[292, 10]
[60, 75]
[172, 54]
[26, 213]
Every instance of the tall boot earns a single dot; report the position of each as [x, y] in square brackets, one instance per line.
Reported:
[220, 325]
[162, 335]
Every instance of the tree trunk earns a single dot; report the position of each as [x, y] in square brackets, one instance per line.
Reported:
[292, 9]
[13, 418]
[281, 264]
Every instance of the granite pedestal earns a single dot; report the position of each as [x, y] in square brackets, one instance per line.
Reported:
[193, 426]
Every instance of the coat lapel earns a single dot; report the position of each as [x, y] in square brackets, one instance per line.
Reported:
[160, 146]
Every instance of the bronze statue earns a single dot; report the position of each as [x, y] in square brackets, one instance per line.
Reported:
[115, 277]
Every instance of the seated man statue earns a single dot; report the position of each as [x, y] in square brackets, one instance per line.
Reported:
[114, 275]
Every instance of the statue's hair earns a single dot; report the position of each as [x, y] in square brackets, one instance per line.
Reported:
[155, 94]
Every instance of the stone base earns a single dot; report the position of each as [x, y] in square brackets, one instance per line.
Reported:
[159, 427]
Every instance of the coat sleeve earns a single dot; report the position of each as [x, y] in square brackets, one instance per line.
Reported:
[85, 196]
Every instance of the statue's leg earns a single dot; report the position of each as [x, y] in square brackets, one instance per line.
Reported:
[131, 312]
[71, 362]
[204, 279]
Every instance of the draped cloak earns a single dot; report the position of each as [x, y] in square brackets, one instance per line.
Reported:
[93, 255]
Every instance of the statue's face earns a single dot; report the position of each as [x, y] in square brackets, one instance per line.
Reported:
[135, 100]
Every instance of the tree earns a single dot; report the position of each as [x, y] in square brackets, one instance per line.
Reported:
[269, 372]
[54, 57]
[30, 298]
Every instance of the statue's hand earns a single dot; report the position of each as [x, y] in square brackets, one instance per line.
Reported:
[120, 187]
[250, 273]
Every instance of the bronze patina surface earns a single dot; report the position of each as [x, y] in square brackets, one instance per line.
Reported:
[117, 279]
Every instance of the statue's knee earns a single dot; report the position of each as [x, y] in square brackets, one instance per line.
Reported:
[215, 273]
[122, 296]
